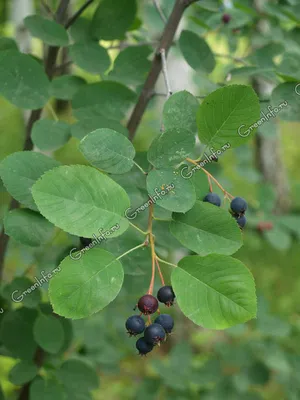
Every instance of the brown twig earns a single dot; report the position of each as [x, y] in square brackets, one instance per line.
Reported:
[77, 14]
[165, 43]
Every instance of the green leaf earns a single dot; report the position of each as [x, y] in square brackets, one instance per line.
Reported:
[108, 150]
[289, 66]
[23, 290]
[50, 32]
[23, 372]
[131, 65]
[20, 170]
[50, 135]
[27, 227]
[169, 190]
[196, 52]
[227, 116]
[215, 291]
[80, 30]
[46, 390]
[81, 200]
[90, 56]
[113, 19]
[171, 147]
[180, 111]
[7, 44]
[48, 333]
[107, 99]
[16, 333]
[90, 124]
[207, 229]
[65, 87]
[279, 238]
[22, 80]
[286, 98]
[290, 222]
[86, 285]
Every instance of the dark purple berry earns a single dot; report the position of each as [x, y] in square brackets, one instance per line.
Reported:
[154, 334]
[166, 321]
[148, 304]
[226, 18]
[238, 205]
[166, 295]
[213, 198]
[241, 220]
[135, 325]
[85, 241]
[143, 346]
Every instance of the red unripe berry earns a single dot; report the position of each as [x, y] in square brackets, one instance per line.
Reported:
[148, 304]
[226, 18]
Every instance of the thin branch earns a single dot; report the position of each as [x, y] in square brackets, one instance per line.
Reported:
[77, 14]
[124, 45]
[165, 72]
[165, 43]
[160, 11]
[236, 59]
[47, 8]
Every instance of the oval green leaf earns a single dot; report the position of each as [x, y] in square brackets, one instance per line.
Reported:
[81, 200]
[23, 290]
[49, 333]
[196, 52]
[27, 227]
[215, 291]
[90, 56]
[20, 170]
[169, 190]
[113, 19]
[180, 111]
[171, 147]
[87, 285]
[23, 372]
[22, 80]
[207, 229]
[286, 98]
[227, 115]
[108, 150]
[50, 32]
[46, 389]
[64, 87]
[50, 135]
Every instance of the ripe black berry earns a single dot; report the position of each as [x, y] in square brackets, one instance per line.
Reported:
[241, 220]
[148, 304]
[135, 325]
[166, 295]
[166, 321]
[143, 346]
[154, 334]
[238, 205]
[226, 18]
[213, 198]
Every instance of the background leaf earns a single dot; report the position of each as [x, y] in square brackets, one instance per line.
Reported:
[90, 56]
[50, 135]
[50, 32]
[64, 87]
[108, 150]
[23, 372]
[48, 333]
[16, 67]
[215, 291]
[20, 170]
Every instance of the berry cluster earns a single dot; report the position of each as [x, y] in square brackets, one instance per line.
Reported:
[238, 207]
[155, 332]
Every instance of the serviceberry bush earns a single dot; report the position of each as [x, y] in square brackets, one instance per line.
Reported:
[115, 206]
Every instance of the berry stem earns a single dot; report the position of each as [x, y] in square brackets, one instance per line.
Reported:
[140, 168]
[159, 272]
[129, 251]
[211, 177]
[166, 262]
[153, 255]
[138, 229]
[210, 184]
